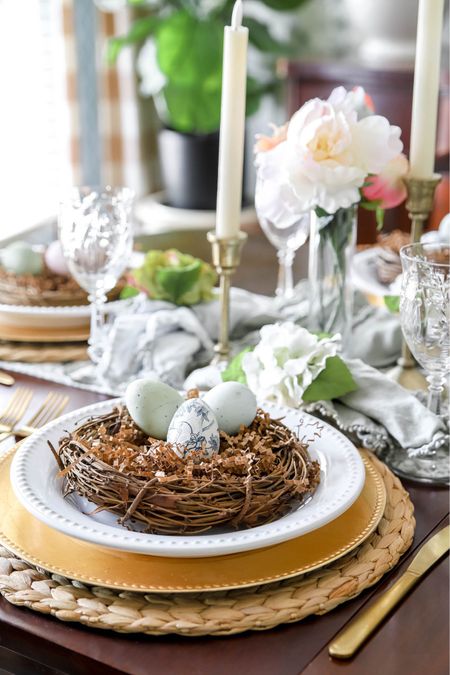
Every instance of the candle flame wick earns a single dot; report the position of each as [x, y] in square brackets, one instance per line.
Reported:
[236, 17]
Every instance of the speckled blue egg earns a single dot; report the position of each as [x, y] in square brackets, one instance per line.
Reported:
[152, 405]
[194, 429]
[19, 258]
[233, 404]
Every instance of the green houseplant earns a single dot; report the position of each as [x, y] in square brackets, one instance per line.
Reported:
[180, 61]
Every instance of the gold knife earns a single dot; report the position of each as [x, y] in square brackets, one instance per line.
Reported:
[7, 379]
[350, 639]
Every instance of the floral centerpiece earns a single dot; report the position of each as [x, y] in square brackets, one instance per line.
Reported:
[331, 156]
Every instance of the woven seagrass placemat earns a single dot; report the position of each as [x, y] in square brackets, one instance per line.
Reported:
[31, 352]
[220, 613]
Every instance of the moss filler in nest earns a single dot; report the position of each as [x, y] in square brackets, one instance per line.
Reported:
[259, 475]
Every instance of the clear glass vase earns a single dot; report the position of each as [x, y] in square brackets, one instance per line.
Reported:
[331, 247]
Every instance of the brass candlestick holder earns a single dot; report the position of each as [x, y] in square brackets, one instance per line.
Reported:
[419, 205]
[226, 256]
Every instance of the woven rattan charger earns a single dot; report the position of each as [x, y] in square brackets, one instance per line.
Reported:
[220, 613]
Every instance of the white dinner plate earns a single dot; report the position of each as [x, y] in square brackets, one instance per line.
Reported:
[35, 483]
[24, 316]
[364, 274]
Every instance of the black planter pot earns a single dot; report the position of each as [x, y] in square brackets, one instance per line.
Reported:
[189, 168]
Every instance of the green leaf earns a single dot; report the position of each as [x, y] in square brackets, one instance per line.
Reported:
[284, 5]
[392, 302]
[371, 206]
[333, 382]
[192, 109]
[379, 216]
[138, 32]
[189, 51]
[259, 35]
[234, 371]
[128, 292]
[176, 281]
[321, 213]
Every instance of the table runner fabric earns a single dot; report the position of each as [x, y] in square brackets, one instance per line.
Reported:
[156, 338]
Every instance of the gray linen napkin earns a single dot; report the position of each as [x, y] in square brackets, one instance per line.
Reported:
[381, 415]
[169, 341]
[157, 338]
[176, 342]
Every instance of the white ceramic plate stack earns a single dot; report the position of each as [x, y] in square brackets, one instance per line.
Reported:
[35, 482]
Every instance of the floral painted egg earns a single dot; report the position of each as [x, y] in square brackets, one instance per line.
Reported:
[54, 259]
[194, 429]
[20, 258]
[233, 404]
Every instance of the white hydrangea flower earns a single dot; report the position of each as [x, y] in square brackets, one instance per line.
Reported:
[327, 153]
[285, 362]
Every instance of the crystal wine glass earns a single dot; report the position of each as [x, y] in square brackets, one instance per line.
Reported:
[425, 313]
[286, 231]
[96, 238]
[425, 321]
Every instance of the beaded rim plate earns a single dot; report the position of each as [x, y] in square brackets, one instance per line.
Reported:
[35, 482]
[44, 547]
[33, 317]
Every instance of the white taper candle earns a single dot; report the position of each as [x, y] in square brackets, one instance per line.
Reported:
[426, 88]
[232, 126]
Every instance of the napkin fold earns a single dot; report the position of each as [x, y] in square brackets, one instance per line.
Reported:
[161, 339]
[382, 415]
[154, 338]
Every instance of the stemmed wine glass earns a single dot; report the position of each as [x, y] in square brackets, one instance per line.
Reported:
[96, 237]
[425, 321]
[286, 231]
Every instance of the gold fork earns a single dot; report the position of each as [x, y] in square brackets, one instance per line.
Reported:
[14, 411]
[51, 408]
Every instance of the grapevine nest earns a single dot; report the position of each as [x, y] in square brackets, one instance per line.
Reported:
[45, 290]
[259, 474]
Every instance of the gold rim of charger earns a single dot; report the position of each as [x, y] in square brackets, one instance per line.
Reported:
[36, 542]
[221, 613]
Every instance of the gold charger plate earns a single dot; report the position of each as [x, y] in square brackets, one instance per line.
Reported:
[40, 545]
[39, 334]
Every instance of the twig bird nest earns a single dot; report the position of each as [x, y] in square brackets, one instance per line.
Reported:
[259, 475]
[46, 289]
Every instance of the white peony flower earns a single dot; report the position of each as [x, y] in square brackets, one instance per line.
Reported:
[285, 362]
[328, 153]
[275, 199]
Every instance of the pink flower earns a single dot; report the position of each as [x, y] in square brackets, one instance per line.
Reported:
[388, 186]
[265, 143]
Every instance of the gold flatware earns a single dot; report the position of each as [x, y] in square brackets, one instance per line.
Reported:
[51, 408]
[14, 411]
[6, 379]
[352, 637]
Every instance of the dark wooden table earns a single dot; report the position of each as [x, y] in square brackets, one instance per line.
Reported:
[414, 640]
